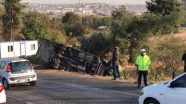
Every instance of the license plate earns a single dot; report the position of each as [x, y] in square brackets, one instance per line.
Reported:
[21, 80]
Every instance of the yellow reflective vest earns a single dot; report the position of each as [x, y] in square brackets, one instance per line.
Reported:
[143, 62]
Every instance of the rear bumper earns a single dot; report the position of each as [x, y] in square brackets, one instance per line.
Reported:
[2, 97]
[22, 79]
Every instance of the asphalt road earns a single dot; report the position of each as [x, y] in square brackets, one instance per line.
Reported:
[58, 87]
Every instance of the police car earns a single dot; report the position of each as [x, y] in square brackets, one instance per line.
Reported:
[169, 92]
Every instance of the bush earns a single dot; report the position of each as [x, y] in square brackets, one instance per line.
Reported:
[124, 74]
[156, 75]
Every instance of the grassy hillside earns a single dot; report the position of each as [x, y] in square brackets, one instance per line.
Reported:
[182, 34]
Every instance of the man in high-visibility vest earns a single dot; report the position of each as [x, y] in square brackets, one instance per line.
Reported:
[142, 62]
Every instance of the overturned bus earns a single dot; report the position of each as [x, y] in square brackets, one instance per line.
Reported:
[59, 56]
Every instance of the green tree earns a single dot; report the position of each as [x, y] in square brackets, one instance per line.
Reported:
[164, 7]
[121, 20]
[39, 26]
[55, 24]
[184, 21]
[12, 21]
[2, 11]
[34, 28]
[73, 24]
[94, 21]
[88, 20]
[71, 18]
[129, 31]
[172, 12]
[106, 21]
[97, 42]
[57, 36]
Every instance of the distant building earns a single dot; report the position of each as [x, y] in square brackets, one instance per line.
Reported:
[54, 11]
[65, 10]
[41, 11]
[83, 9]
[107, 12]
[87, 11]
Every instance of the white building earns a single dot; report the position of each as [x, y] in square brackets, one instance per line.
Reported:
[10, 49]
[65, 10]
[87, 11]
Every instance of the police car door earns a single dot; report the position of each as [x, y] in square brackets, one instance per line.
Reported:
[177, 94]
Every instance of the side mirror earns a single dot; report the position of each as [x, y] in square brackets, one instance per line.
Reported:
[172, 84]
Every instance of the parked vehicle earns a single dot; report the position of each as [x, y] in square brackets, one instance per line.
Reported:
[169, 92]
[2, 94]
[17, 70]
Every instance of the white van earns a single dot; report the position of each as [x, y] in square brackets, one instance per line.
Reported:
[17, 70]
[169, 92]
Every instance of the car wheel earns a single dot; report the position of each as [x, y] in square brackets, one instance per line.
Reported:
[33, 83]
[6, 84]
[152, 101]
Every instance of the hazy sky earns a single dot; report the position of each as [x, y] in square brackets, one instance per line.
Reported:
[114, 2]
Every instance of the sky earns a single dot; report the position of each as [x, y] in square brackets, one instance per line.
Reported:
[113, 2]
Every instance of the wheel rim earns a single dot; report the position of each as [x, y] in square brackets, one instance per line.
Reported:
[5, 83]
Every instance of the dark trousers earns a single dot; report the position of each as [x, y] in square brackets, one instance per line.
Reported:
[115, 66]
[144, 73]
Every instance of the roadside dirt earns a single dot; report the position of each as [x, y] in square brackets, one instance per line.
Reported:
[83, 75]
[182, 34]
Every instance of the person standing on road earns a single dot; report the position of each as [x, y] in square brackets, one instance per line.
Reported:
[115, 62]
[142, 62]
[184, 59]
